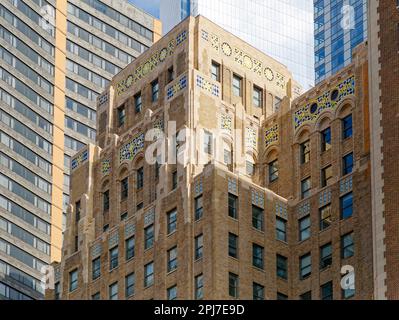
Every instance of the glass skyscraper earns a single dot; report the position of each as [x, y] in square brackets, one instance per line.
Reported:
[339, 26]
[283, 29]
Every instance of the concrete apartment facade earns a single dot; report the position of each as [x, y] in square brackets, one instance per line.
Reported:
[272, 201]
[56, 56]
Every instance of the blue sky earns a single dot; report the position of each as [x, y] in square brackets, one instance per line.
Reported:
[151, 6]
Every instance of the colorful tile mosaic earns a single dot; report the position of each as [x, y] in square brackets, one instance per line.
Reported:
[103, 98]
[226, 122]
[346, 185]
[176, 88]
[181, 37]
[258, 198]
[79, 159]
[232, 185]
[128, 151]
[327, 101]
[251, 137]
[282, 210]
[159, 126]
[208, 86]
[324, 198]
[271, 135]
[105, 167]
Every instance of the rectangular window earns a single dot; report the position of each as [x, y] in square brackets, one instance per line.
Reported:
[305, 266]
[199, 287]
[281, 229]
[124, 188]
[121, 115]
[149, 274]
[172, 221]
[139, 206]
[326, 140]
[113, 258]
[233, 245]
[346, 206]
[140, 178]
[149, 237]
[57, 291]
[172, 259]
[137, 103]
[172, 293]
[170, 74]
[258, 291]
[325, 256]
[305, 188]
[305, 152]
[96, 296]
[123, 216]
[306, 296]
[198, 208]
[106, 201]
[347, 127]
[198, 247]
[257, 97]
[227, 156]
[129, 285]
[325, 217]
[154, 90]
[174, 180]
[281, 264]
[77, 208]
[257, 256]
[237, 83]
[233, 206]
[281, 296]
[257, 218]
[208, 142]
[250, 166]
[73, 280]
[113, 291]
[326, 176]
[129, 247]
[347, 246]
[273, 171]
[96, 268]
[215, 71]
[327, 291]
[304, 228]
[347, 164]
[233, 285]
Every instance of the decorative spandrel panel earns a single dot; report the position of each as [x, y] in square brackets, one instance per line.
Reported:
[105, 167]
[271, 135]
[176, 88]
[251, 139]
[129, 150]
[226, 123]
[79, 159]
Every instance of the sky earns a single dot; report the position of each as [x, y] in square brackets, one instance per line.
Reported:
[150, 6]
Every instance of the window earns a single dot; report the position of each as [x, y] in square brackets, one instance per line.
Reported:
[281, 296]
[106, 201]
[325, 256]
[281, 229]
[257, 256]
[326, 176]
[257, 97]
[199, 287]
[347, 164]
[140, 178]
[172, 259]
[258, 291]
[198, 208]
[172, 293]
[149, 274]
[325, 217]
[121, 115]
[305, 152]
[304, 228]
[208, 142]
[73, 280]
[305, 188]
[305, 266]
[327, 291]
[346, 206]
[257, 218]
[233, 208]
[233, 245]
[215, 71]
[326, 140]
[105, 228]
[57, 291]
[129, 247]
[113, 258]
[77, 208]
[227, 156]
[123, 216]
[273, 171]
[198, 247]
[347, 127]
[148, 237]
[139, 206]
[237, 82]
[96, 296]
[96, 268]
[250, 166]
[281, 267]
[113, 291]
[129, 285]
[137, 103]
[347, 246]
[170, 74]
[233, 285]
[306, 296]
[154, 90]
[174, 180]
[172, 221]
[124, 188]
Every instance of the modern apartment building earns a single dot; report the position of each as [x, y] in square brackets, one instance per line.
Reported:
[56, 57]
[339, 26]
[264, 202]
[280, 28]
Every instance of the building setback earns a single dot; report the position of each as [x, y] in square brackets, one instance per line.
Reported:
[56, 57]
[280, 202]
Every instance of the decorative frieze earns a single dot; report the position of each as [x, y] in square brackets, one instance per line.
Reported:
[226, 122]
[129, 150]
[105, 167]
[79, 159]
[207, 86]
[271, 135]
[251, 137]
[174, 89]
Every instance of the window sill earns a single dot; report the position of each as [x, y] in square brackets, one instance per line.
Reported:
[198, 259]
[171, 272]
[282, 241]
[113, 269]
[258, 230]
[169, 235]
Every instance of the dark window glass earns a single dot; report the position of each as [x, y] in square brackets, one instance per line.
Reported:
[172, 259]
[347, 246]
[172, 221]
[124, 188]
[233, 245]
[96, 268]
[257, 97]
[233, 208]
[305, 188]
[113, 258]
[257, 256]
[305, 152]
[129, 285]
[233, 285]
[327, 291]
[148, 237]
[347, 164]
[130, 246]
[325, 256]
[305, 266]
[326, 176]
[273, 171]
[306, 296]
[258, 291]
[73, 280]
[326, 140]
[304, 228]
[198, 247]
[199, 287]
[325, 217]
[137, 103]
[237, 84]
[281, 264]
[154, 90]
[347, 127]
[121, 116]
[198, 208]
[281, 229]
[346, 206]
[257, 218]
[106, 200]
[215, 71]
[140, 178]
[148, 274]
